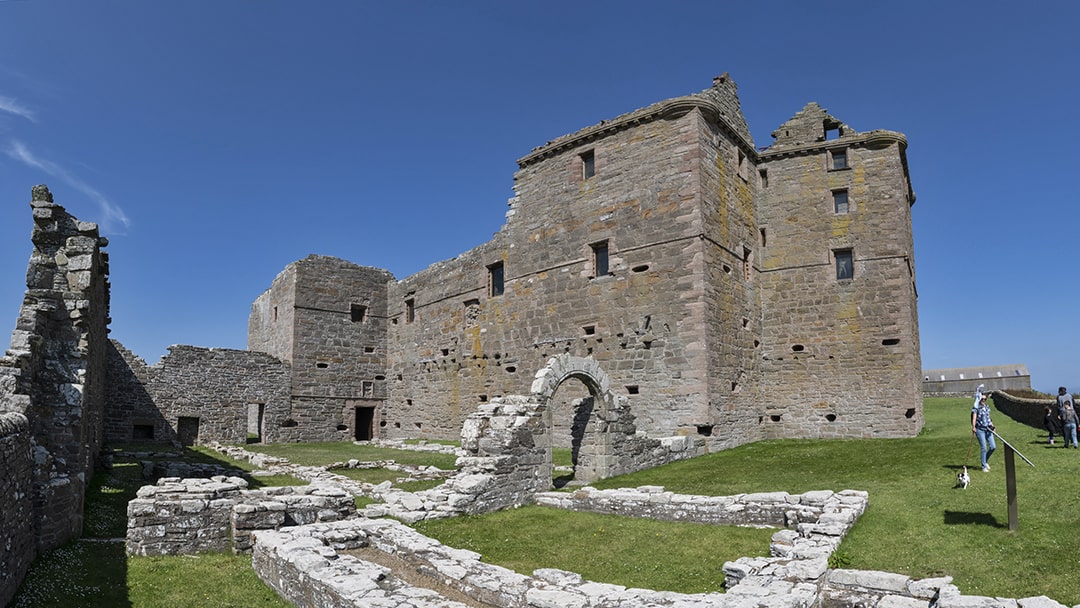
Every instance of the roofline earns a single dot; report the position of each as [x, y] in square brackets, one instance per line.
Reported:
[669, 108]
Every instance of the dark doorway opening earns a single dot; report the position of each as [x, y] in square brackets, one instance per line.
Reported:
[187, 430]
[365, 416]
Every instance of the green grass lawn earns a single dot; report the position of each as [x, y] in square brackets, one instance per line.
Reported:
[606, 548]
[917, 523]
[95, 571]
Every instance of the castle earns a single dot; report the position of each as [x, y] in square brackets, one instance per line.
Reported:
[727, 293]
[730, 292]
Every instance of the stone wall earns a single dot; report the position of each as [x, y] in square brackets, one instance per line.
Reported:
[16, 517]
[840, 356]
[765, 509]
[54, 372]
[697, 269]
[1027, 411]
[196, 394]
[327, 317]
[189, 516]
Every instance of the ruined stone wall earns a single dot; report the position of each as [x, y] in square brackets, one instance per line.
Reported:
[271, 325]
[216, 386]
[641, 320]
[53, 374]
[130, 413]
[189, 516]
[840, 357]
[336, 313]
[717, 313]
[17, 542]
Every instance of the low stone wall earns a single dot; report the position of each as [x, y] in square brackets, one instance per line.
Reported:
[16, 516]
[767, 510]
[1025, 411]
[311, 566]
[187, 516]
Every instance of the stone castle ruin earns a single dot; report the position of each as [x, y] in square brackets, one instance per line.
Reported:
[690, 284]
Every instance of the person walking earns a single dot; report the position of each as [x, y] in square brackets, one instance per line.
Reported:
[1050, 421]
[983, 429]
[1068, 424]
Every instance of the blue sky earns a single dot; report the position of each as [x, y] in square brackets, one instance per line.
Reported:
[215, 141]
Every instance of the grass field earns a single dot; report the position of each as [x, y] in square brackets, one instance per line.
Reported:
[917, 523]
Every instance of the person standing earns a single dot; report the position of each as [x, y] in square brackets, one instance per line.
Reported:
[1068, 424]
[983, 429]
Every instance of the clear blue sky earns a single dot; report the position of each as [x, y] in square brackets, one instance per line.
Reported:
[215, 141]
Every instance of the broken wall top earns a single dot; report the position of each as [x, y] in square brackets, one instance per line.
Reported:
[719, 103]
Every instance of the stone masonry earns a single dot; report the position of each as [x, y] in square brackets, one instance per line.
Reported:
[732, 293]
[52, 387]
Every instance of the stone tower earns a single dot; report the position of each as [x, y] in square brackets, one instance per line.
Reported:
[327, 317]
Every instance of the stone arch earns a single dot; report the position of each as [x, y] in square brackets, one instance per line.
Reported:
[609, 418]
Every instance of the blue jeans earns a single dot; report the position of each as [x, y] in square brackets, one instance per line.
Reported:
[986, 443]
[1069, 434]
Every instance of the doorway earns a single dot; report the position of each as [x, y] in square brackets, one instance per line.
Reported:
[365, 418]
[187, 430]
[255, 413]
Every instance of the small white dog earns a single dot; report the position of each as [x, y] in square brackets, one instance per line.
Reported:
[963, 479]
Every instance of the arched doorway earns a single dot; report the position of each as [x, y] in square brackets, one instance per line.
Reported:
[581, 412]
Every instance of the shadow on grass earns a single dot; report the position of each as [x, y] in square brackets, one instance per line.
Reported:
[965, 518]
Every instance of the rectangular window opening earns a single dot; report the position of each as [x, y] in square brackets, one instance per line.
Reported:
[761, 233]
[743, 165]
[600, 259]
[838, 159]
[410, 310]
[495, 279]
[588, 164]
[356, 312]
[844, 264]
[840, 202]
[764, 174]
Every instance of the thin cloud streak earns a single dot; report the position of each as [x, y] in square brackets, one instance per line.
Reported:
[12, 106]
[114, 220]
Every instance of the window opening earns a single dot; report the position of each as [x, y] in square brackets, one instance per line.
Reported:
[600, 259]
[844, 265]
[839, 159]
[761, 233]
[410, 310]
[764, 178]
[588, 164]
[840, 202]
[495, 279]
[743, 164]
[356, 312]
